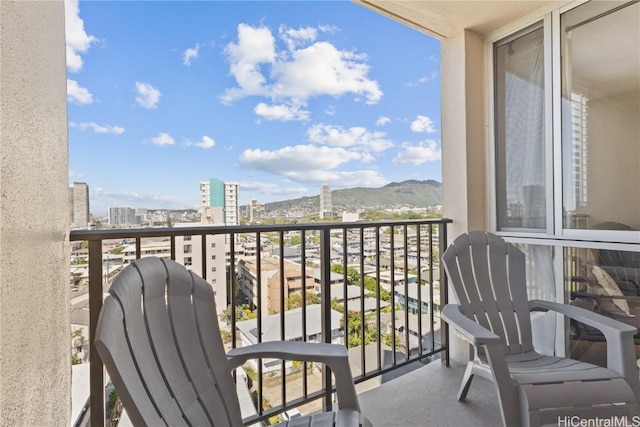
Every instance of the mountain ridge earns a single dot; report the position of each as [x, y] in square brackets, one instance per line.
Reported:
[410, 193]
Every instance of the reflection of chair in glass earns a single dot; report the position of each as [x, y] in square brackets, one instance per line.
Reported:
[622, 266]
[488, 277]
[611, 287]
[159, 338]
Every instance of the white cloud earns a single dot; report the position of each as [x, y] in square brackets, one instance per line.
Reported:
[310, 164]
[299, 158]
[427, 151]
[255, 46]
[78, 94]
[272, 189]
[355, 137]
[325, 28]
[97, 128]
[77, 39]
[205, 143]
[382, 120]
[283, 113]
[432, 76]
[330, 110]
[163, 138]
[342, 179]
[147, 95]
[322, 69]
[294, 38]
[190, 54]
[423, 124]
[292, 74]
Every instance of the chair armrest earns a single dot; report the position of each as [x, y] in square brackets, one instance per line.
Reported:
[472, 331]
[621, 354]
[333, 355]
[608, 327]
[585, 295]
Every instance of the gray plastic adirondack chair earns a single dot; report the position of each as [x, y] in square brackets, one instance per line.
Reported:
[159, 339]
[493, 314]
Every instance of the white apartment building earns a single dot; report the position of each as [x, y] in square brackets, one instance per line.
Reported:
[219, 202]
[161, 249]
[255, 211]
[189, 252]
[326, 206]
[122, 216]
[79, 205]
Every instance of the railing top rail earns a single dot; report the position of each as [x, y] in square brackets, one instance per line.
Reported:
[124, 233]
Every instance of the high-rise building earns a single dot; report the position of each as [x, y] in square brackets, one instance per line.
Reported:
[326, 208]
[219, 202]
[255, 211]
[122, 216]
[218, 206]
[79, 205]
[188, 251]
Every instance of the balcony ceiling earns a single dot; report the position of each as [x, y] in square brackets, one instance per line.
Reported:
[443, 19]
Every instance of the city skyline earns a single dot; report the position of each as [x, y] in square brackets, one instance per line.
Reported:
[280, 97]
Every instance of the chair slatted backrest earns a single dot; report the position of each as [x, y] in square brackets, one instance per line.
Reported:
[488, 278]
[159, 338]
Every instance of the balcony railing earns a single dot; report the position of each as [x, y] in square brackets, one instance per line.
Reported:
[388, 288]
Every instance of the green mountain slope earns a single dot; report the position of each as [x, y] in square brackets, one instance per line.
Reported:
[410, 193]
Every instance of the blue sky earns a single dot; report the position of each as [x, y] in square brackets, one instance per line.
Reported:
[280, 97]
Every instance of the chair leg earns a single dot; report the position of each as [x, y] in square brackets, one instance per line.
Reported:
[466, 382]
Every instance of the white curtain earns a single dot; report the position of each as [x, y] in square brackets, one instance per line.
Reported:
[541, 285]
[520, 74]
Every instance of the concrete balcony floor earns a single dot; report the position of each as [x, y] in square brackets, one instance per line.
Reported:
[426, 396]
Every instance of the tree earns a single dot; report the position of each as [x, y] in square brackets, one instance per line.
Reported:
[353, 277]
[75, 358]
[111, 404]
[225, 315]
[354, 329]
[295, 299]
[79, 344]
[388, 340]
[335, 305]
[295, 240]
[370, 284]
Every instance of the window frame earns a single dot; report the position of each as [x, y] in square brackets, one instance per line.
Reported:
[622, 237]
[555, 236]
[493, 43]
[550, 22]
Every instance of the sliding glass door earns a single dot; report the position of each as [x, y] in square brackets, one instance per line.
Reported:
[600, 47]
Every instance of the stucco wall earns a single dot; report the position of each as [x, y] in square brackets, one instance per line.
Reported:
[464, 143]
[34, 216]
[463, 133]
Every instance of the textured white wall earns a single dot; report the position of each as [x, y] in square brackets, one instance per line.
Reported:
[463, 133]
[463, 143]
[34, 216]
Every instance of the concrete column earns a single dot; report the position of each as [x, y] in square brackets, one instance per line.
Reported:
[464, 141]
[35, 342]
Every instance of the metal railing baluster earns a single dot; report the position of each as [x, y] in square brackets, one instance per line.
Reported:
[379, 230]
